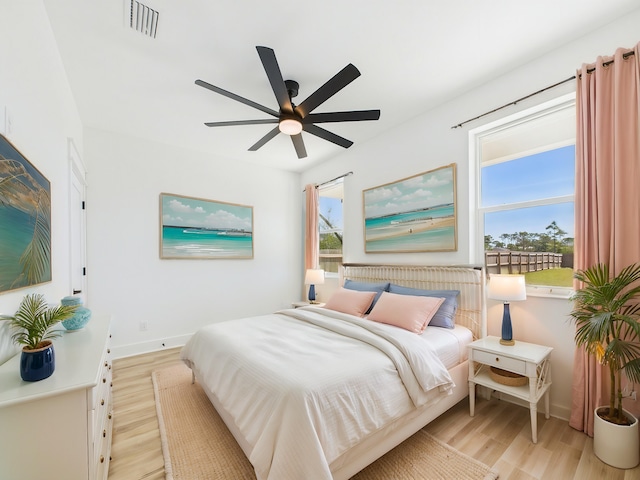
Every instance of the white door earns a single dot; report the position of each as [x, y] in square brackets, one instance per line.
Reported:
[77, 225]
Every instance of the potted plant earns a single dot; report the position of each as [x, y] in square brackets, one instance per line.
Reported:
[33, 329]
[606, 314]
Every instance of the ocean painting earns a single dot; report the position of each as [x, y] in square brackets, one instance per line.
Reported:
[25, 221]
[204, 229]
[415, 214]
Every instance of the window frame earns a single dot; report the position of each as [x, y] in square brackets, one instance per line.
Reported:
[476, 211]
[328, 186]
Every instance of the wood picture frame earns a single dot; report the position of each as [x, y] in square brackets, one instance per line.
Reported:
[414, 214]
[196, 228]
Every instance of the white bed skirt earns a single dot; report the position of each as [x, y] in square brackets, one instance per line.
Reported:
[376, 445]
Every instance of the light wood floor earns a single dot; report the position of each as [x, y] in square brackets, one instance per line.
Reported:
[498, 435]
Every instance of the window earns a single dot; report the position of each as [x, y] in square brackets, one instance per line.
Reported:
[525, 195]
[330, 226]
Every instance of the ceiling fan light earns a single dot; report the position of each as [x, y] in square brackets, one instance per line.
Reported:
[290, 126]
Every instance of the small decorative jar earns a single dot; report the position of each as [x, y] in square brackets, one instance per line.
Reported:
[80, 317]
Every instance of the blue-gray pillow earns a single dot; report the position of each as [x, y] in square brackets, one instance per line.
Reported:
[445, 316]
[368, 287]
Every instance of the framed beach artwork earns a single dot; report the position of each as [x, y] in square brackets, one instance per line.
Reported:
[204, 229]
[415, 214]
[25, 221]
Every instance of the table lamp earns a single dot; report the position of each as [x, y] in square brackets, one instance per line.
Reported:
[508, 288]
[312, 278]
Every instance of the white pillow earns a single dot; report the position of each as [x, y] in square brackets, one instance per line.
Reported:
[410, 312]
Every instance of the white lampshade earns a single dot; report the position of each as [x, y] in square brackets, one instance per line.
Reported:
[290, 126]
[314, 277]
[508, 288]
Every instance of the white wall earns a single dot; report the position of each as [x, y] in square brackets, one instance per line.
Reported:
[35, 94]
[126, 275]
[428, 141]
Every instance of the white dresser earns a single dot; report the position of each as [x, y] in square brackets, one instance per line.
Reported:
[60, 427]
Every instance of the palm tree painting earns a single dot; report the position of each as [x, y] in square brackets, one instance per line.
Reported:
[25, 221]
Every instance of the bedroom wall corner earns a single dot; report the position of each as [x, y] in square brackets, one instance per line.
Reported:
[155, 300]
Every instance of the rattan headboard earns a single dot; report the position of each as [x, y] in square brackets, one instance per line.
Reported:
[470, 280]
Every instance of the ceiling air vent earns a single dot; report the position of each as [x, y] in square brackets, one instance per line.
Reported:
[143, 19]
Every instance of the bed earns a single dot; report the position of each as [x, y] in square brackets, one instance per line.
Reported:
[329, 392]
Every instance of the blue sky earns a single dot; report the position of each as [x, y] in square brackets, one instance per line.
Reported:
[335, 215]
[543, 175]
[193, 212]
[420, 191]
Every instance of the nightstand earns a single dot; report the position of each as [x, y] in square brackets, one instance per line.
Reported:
[527, 359]
[306, 304]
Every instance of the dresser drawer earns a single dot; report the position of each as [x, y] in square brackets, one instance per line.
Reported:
[100, 418]
[500, 361]
[98, 394]
[102, 448]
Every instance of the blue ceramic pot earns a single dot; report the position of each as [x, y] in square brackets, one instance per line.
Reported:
[80, 317]
[79, 320]
[37, 364]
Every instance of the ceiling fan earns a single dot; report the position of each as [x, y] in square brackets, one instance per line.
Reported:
[292, 119]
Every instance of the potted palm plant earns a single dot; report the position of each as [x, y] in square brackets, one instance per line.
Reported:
[606, 314]
[33, 329]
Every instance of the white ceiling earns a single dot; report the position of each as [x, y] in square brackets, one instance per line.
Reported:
[412, 54]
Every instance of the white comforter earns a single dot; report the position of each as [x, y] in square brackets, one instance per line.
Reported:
[305, 385]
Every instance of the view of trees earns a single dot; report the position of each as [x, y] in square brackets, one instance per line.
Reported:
[330, 239]
[553, 240]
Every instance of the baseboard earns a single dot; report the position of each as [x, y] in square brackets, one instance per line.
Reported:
[132, 349]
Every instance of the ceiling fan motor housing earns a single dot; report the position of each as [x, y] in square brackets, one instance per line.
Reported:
[292, 88]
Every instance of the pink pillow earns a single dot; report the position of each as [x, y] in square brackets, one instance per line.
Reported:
[410, 312]
[352, 302]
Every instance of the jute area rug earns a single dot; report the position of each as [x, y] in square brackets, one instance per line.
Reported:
[197, 445]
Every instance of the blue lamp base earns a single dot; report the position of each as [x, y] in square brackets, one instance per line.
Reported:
[507, 332]
[312, 293]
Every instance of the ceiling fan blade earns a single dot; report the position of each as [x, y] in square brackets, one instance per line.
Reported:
[238, 98]
[264, 139]
[298, 144]
[336, 83]
[355, 116]
[270, 64]
[241, 122]
[327, 135]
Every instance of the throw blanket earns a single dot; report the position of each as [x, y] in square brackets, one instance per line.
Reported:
[305, 385]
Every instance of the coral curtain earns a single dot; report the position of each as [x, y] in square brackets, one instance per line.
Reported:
[312, 237]
[607, 196]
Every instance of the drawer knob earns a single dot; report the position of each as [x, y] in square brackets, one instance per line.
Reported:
[108, 350]
[104, 380]
[102, 402]
[104, 434]
[101, 458]
[497, 359]
[110, 416]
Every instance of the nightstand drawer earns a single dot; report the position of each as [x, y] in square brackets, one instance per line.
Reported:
[501, 361]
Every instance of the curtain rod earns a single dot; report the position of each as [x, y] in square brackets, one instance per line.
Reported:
[605, 64]
[334, 179]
